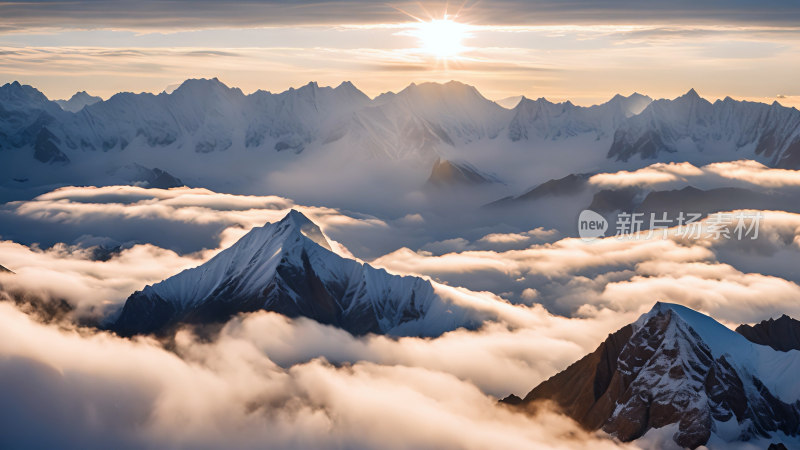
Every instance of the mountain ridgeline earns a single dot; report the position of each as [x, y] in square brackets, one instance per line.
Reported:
[288, 267]
[419, 121]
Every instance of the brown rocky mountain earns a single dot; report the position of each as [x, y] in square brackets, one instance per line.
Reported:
[449, 173]
[677, 368]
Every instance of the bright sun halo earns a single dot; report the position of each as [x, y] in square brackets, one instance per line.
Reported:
[442, 38]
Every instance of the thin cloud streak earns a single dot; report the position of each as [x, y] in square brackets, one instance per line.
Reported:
[150, 14]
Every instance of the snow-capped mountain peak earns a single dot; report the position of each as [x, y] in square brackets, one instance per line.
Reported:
[749, 357]
[20, 97]
[285, 267]
[78, 101]
[699, 131]
[308, 228]
[677, 367]
[544, 119]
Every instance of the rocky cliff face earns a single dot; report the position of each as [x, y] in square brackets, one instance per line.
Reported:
[675, 366]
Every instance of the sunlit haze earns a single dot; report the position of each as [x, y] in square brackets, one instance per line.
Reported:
[442, 38]
[501, 48]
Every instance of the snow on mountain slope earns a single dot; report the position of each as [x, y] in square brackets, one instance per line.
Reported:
[677, 367]
[78, 101]
[204, 125]
[546, 120]
[297, 117]
[203, 114]
[773, 368]
[421, 118]
[27, 118]
[690, 125]
[288, 267]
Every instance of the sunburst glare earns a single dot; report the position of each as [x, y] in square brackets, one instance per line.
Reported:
[442, 38]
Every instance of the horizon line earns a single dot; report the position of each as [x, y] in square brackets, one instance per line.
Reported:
[174, 87]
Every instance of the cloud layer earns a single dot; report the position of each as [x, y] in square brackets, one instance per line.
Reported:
[194, 14]
[299, 384]
[745, 173]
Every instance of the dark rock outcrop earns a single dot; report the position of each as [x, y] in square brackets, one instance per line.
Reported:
[449, 173]
[782, 334]
[571, 184]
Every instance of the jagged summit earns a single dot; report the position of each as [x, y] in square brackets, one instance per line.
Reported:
[200, 86]
[691, 94]
[78, 101]
[308, 228]
[285, 267]
[424, 121]
[544, 119]
[677, 367]
[782, 334]
[15, 95]
[690, 125]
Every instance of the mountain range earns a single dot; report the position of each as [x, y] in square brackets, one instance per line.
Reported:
[681, 371]
[424, 122]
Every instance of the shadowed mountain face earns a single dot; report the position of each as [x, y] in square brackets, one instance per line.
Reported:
[610, 200]
[782, 334]
[676, 367]
[449, 173]
[285, 267]
[689, 200]
[569, 185]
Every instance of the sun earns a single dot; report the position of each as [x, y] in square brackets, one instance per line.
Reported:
[442, 38]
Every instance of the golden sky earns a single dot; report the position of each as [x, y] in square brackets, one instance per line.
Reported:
[504, 49]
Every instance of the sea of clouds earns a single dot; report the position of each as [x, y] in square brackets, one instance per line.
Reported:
[297, 384]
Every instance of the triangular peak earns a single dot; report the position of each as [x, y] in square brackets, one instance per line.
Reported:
[719, 338]
[307, 227]
[691, 94]
[197, 85]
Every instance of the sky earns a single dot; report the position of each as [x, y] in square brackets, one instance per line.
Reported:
[581, 50]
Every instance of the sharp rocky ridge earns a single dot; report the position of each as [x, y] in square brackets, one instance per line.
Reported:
[678, 370]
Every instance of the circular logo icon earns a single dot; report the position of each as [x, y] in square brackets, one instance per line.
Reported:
[591, 225]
